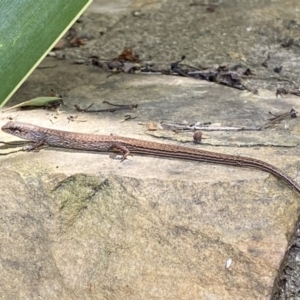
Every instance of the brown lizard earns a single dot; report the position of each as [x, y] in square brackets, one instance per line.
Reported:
[93, 142]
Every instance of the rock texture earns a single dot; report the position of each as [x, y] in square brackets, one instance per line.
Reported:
[82, 225]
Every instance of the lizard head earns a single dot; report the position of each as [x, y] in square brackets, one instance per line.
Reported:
[18, 129]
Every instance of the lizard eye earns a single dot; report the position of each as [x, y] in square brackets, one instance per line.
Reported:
[16, 130]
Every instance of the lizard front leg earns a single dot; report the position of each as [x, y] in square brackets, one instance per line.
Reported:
[36, 146]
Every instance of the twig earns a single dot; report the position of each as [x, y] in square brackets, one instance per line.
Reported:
[117, 107]
[7, 145]
[277, 118]
[209, 128]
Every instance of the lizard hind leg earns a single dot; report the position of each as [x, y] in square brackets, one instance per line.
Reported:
[120, 148]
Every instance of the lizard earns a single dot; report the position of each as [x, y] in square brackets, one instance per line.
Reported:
[104, 143]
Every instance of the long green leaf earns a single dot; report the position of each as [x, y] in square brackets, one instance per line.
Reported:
[35, 102]
[28, 31]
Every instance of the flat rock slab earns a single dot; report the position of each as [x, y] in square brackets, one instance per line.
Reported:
[82, 225]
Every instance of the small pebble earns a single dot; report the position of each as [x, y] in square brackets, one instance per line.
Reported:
[228, 263]
[197, 137]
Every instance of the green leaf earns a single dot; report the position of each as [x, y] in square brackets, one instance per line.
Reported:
[28, 31]
[39, 101]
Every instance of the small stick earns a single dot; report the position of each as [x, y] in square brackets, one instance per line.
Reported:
[122, 105]
[277, 118]
[117, 107]
[208, 128]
